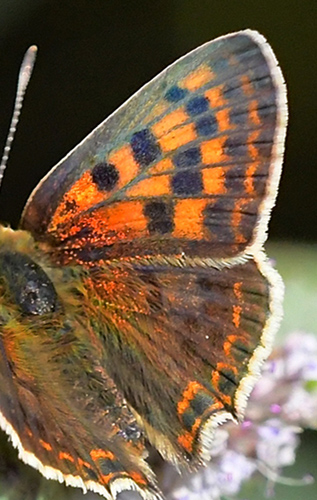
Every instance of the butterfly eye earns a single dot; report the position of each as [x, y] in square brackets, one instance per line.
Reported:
[30, 286]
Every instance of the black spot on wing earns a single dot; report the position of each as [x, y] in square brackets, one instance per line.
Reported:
[206, 126]
[145, 147]
[197, 105]
[187, 183]
[188, 158]
[105, 176]
[175, 94]
[160, 215]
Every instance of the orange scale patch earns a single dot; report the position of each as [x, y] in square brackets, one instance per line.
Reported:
[246, 85]
[186, 441]
[237, 309]
[240, 239]
[251, 170]
[215, 376]
[162, 166]
[178, 137]
[213, 151]
[83, 463]
[153, 186]
[237, 215]
[100, 453]
[252, 150]
[237, 290]
[107, 225]
[217, 406]
[214, 180]
[45, 445]
[126, 165]
[84, 192]
[106, 478]
[188, 219]
[173, 119]
[198, 78]
[253, 113]
[12, 347]
[236, 315]
[231, 341]
[188, 395]
[222, 367]
[65, 456]
[126, 216]
[249, 180]
[223, 120]
[196, 426]
[215, 97]
[82, 195]
[227, 347]
[137, 477]
[215, 379]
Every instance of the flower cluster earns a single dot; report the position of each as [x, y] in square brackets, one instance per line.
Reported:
[282, 404]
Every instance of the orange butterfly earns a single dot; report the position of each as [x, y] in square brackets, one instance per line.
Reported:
[137, 303]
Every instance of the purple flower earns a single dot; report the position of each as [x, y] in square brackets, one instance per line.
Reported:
[301, 356]
[234, 468]
[277, 443]
[301, 407]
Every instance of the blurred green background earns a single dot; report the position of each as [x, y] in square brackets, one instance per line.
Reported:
[93, 54]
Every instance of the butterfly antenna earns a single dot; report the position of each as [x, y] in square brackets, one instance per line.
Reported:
[24, 78]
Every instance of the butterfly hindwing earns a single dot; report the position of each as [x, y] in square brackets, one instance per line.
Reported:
[193, 337]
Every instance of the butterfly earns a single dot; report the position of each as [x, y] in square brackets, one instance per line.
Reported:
[136, 301]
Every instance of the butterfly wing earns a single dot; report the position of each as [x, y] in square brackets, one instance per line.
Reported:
[189, 164]
[189, 341]
[166, 205]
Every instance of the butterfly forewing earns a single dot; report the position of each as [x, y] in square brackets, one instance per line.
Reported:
[183, 166]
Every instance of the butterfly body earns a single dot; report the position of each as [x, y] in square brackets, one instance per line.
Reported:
[137, 303]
